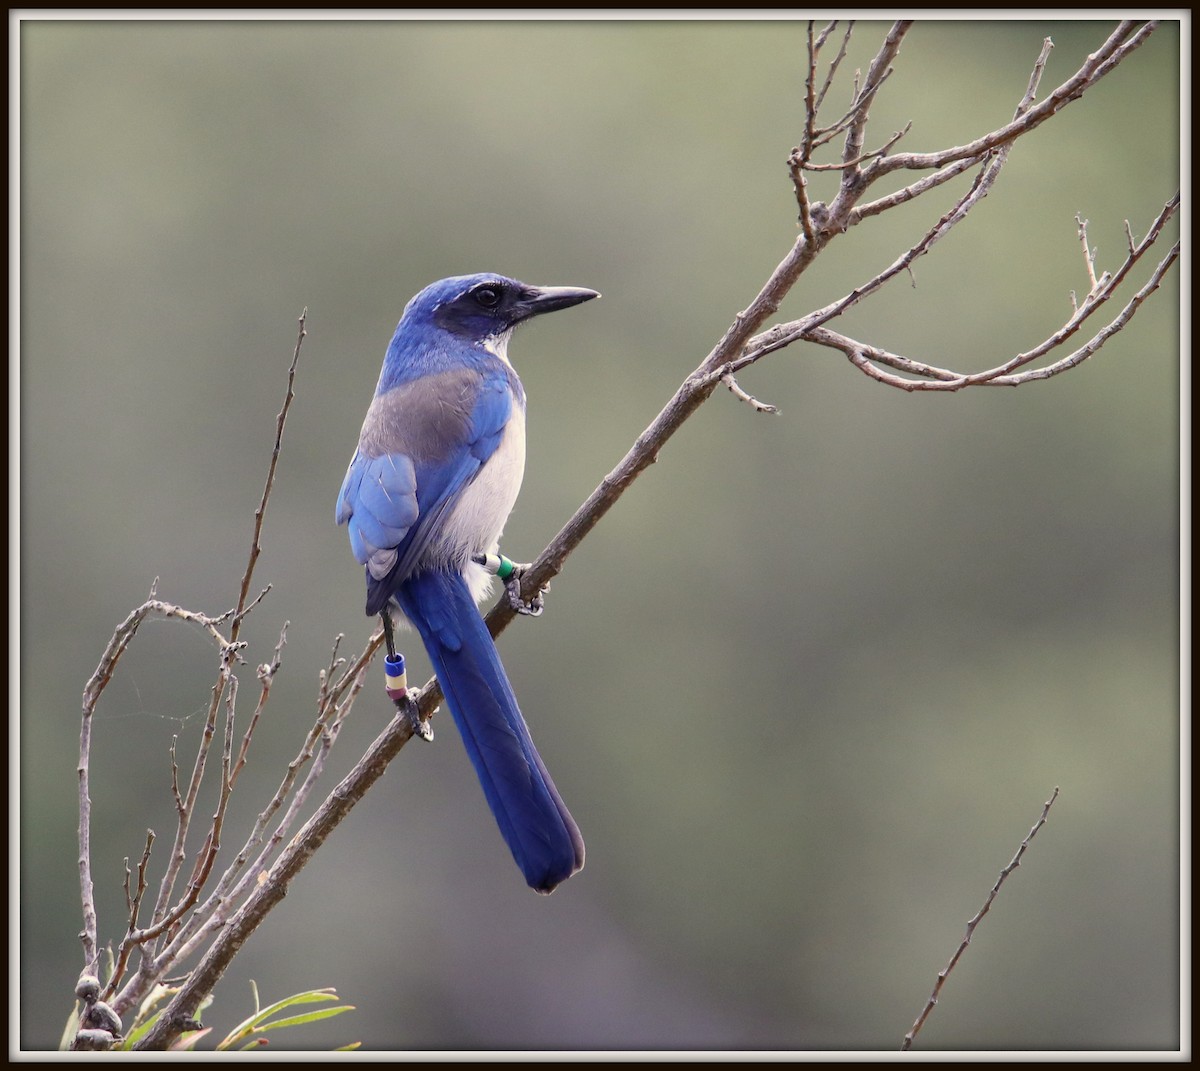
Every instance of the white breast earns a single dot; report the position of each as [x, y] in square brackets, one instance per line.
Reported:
[478, 517]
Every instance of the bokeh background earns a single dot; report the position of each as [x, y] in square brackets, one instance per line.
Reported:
[805, 688]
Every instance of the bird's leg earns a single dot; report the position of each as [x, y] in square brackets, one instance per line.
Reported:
[397, 682]
[389, 636]
[510, 573]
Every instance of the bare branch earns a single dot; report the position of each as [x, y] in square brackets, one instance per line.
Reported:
[785, 334]
[877, 73]
[266, 677]
[911, 192]
[1035, 78]
[987, 904]
[213, 914]
[953, 170]
[133, 902]
[1089, 255]
[741, 395]
[1102, 336]
[1101, 62]
[274, 885]
[865, 357]
[834, 63]
[690, 395]
[185, 807]
[802, 154]
[175, 793]
[881, 151]
[93, 690]
[162, 918]
[813, 99]
[260, 513]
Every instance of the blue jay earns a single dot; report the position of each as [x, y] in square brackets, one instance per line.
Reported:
[437, 470]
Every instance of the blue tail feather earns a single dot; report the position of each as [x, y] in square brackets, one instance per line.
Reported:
[535, 823]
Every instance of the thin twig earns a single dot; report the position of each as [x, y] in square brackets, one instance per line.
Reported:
[785, 334]
[1089, 255]
[749, 399]
[185, 807]
[877, 74]
[133, 902]
[834, 63]
[163, 917]
[987, 904]
[175, 793]
[266, 677]
[1100, 63]
[212, 915]
[1035, 78]
[274, 885]
[842, 165]
[910, 192]
[865, 357]
[953, 170]
[117, 645]
[260, 512]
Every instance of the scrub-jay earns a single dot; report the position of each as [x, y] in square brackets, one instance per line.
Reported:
[437, 470]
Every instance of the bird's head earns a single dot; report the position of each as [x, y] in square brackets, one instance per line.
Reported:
[478, 308]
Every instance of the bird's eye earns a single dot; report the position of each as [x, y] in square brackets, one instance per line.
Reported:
[487, 297]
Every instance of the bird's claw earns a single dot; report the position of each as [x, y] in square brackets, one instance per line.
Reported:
[410, 706]
[421, 728]
[535, 606]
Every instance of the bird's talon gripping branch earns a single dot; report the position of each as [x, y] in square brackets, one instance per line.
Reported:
[412, 711]
[534, 607]
[511, 572]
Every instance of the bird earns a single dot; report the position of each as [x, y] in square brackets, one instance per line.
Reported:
[438, 465]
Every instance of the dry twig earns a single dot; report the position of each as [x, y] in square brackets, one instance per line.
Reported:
[165, 918]
[974, 921]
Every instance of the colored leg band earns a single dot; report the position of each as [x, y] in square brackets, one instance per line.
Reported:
[397, 676]
[497, 565]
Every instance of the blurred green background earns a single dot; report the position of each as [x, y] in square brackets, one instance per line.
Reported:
[805, 689]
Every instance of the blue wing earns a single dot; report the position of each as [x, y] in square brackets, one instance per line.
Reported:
[422, 443]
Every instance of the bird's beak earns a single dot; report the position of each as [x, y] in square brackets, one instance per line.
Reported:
[538, 299]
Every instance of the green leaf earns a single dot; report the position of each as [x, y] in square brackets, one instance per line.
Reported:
[138, 1032]
[258, 1022]
[308, 1017]
[68, 1034]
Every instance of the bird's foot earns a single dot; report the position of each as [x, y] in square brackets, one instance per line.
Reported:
[410, 707]
[511, 572]
[512, 589]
